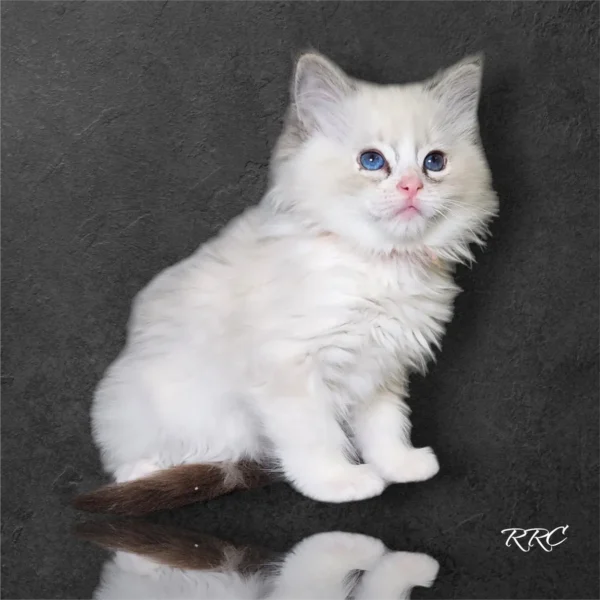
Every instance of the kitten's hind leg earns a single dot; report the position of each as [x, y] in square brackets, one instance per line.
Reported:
[382, 430]
[314, 451]
[135, 470]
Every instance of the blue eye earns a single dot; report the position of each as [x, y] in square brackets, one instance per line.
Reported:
[372, 161]
[434, 161]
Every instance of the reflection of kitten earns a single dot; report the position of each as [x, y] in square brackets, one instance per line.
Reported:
[153, 562]
[305, 316]
[322, 566]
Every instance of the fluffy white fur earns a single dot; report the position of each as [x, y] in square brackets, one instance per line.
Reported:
[291, 335]
[320, 566]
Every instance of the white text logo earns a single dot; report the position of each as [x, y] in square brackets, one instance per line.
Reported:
[525, 539]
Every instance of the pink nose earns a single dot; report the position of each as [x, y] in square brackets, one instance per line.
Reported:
[409, 185]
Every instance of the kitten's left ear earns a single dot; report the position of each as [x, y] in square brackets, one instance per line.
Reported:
[459, 88]
[318, 91]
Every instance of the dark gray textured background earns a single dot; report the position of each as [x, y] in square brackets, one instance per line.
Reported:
[133, 131]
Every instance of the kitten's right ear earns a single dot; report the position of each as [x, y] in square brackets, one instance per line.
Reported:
[318, 91]
[459, 87]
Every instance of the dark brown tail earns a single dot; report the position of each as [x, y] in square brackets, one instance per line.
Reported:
[172, 488]
[181, 549]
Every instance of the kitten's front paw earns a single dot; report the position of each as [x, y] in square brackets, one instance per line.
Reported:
[409, 464]
[343, 484]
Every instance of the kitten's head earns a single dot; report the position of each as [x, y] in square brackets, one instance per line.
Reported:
[386, 166]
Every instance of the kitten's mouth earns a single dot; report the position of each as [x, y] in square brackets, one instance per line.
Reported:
[408, 212]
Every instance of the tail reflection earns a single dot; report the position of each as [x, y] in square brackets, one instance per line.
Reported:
[152, 562]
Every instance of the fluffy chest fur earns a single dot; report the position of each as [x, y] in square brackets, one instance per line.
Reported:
[359, 322]
[400, 309]
[375, 318]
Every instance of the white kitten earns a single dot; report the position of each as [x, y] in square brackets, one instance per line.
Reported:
[303, 318]
[172, 566]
